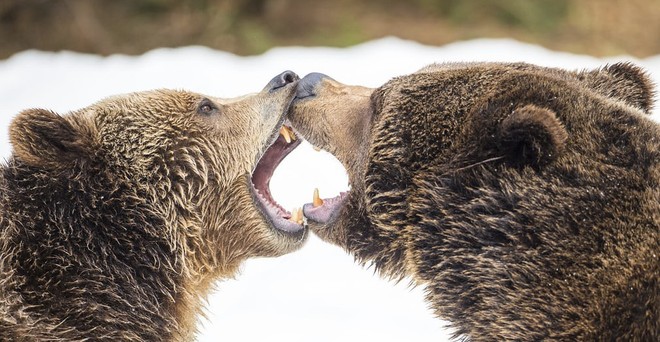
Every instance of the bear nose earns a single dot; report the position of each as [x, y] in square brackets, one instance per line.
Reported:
[307, 86]
[282, 79]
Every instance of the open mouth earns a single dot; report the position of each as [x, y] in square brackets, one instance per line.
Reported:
[288, 222]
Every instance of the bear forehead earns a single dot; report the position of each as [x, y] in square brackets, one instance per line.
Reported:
[478, 67]
[163, 99]
[446, 86]
[623, 82]
[479, 72]
[154, 109]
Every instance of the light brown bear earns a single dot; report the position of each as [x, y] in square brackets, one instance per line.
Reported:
[525, 199]
[116, 218]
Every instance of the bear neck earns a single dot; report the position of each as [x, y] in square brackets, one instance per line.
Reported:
[91, 255]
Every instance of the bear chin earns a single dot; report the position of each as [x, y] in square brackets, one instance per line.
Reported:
[281, 220]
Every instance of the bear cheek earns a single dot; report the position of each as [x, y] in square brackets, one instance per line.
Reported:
[234, 229]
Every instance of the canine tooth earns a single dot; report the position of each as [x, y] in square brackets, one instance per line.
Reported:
[296, 216]
[316, 200]
[292, 134]
[285, 133]
[317, 149]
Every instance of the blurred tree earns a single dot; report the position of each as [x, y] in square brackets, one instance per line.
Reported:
[252, 26]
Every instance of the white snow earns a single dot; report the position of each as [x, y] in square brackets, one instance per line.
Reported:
[318, 293]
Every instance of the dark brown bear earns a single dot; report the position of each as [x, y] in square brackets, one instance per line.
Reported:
[525, 199]
[116, 219]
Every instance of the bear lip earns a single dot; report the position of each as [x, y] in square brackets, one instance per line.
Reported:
[327, 211]
[260, 182]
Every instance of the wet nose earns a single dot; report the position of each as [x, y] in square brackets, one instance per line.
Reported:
[282, 79]
[307, 86]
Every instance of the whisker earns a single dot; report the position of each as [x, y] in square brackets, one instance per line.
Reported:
[478, 163]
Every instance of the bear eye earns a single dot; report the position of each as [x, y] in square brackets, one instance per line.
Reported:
[206, 107]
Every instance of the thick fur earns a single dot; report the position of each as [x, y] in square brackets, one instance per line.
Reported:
[525, 199]
[115, 219]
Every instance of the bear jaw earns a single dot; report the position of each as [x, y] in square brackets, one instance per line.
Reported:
[278, 218]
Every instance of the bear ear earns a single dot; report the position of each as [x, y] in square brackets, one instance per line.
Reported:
[624, 81]
[43, 138]
[531, 136]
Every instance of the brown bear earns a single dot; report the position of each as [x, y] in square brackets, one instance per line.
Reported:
[525, 199]
[117, 218]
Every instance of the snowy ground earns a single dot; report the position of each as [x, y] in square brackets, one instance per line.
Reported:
[318, 293]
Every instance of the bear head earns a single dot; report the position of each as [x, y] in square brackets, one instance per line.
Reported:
[525, 198]
[155, 193]
[456, 114]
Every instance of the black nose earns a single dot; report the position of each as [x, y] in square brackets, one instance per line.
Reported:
[282, 79]
[307, 86]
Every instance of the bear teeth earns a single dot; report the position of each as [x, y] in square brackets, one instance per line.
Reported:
[270, 203]
[288, 134]
[296, 216]
[316, 200]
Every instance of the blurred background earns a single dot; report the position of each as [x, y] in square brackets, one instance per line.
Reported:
[247, 27]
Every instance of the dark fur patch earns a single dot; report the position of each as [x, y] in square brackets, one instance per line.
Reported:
[566, 249]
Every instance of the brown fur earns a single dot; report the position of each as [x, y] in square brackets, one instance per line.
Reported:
[525, 199]
[115, 219]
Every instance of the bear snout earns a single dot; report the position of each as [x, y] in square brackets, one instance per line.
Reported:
[307, 86]
[281, 80]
